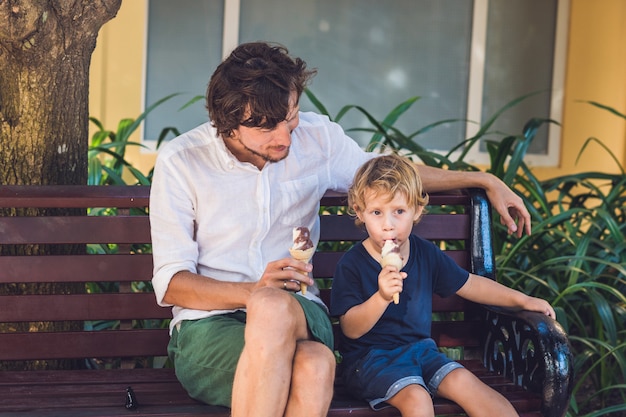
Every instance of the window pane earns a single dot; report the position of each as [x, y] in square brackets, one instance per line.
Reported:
[519, 61]
[377, 54]
[184, 47]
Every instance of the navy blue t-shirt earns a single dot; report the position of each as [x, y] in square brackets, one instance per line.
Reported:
[429, 270]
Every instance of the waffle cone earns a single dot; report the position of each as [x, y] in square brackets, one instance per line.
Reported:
[304, 256]
[393, 259]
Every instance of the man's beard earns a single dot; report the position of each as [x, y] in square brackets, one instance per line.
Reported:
[265, 157]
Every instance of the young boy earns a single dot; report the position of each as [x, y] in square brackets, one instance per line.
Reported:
[388, 355]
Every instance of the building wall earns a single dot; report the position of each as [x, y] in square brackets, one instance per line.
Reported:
[595, 71]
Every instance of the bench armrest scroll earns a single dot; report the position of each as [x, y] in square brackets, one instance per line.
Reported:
[532, 350]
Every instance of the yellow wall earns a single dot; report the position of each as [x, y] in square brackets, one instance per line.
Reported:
[116, 80]
[595, 70]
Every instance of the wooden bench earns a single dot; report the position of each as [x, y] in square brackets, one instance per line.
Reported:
[93, 309]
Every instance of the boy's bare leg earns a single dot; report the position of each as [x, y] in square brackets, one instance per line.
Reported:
[413, 401]
[272, 355]
[474, 396]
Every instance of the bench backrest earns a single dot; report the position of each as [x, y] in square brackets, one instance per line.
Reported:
[105, 262]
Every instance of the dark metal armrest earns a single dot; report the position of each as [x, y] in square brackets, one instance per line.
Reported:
[532, 350]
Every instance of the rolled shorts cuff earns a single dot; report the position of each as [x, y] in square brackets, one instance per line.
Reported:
[380, 403]
[433, 384]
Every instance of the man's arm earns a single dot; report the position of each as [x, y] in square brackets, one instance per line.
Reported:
[198, 292]
[190, 290]
[510, 207]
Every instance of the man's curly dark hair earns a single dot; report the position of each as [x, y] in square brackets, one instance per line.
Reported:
[253, 85]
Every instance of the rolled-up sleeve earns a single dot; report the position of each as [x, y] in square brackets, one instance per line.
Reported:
[172, 227]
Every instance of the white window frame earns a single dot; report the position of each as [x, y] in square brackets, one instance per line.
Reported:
[230, 38]
[476, 77]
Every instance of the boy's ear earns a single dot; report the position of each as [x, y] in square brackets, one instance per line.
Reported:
[357, 211]
[418, 213]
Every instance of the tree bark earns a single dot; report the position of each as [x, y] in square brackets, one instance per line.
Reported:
[45, 52]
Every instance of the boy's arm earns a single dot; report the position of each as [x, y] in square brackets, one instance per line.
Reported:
[360, 319]
[510, 207]
[486, 291]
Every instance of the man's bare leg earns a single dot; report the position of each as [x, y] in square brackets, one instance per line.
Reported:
[312, 380]
[275, 323]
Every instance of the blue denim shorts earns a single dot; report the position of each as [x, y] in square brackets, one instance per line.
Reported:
[381, 374]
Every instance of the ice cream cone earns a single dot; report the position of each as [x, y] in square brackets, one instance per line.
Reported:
[304, 256]
[391, 256]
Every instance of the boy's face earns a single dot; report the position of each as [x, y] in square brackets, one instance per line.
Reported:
[388, 219]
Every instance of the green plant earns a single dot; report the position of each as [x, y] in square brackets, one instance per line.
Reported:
[107, 149]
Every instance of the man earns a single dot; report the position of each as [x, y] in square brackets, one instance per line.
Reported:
[225, 198]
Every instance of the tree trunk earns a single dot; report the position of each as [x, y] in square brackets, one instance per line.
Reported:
[45, 52]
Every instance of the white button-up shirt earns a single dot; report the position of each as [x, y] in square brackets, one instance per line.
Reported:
[213, 215]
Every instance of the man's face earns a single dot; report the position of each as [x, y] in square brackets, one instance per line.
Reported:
[258, 146]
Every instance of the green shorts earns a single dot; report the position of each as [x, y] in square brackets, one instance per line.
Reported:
[205, 352]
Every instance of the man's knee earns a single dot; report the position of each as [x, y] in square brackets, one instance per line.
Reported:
[271, 307]
[275, 318]
[314, 360]
[265, 297]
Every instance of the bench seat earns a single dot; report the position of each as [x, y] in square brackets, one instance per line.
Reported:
[158, 393]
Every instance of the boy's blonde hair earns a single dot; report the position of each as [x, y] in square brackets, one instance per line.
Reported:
[388, 174]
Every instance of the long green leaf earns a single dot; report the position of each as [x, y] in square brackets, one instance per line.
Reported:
[315, 101]
[605, 107]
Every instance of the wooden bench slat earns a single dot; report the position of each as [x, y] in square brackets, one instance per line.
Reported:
[456, 333]
[153, 342]
[69, 345]
[68, 307]
[76, 268]
[324, 262]
[333, 198]
[74, 229]
[73, 196]
[158, 386]
[87, 377]
[99, 395]
[449, 304]
[443, 226]
[163, 410]
[433, 226]
[453, 303]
